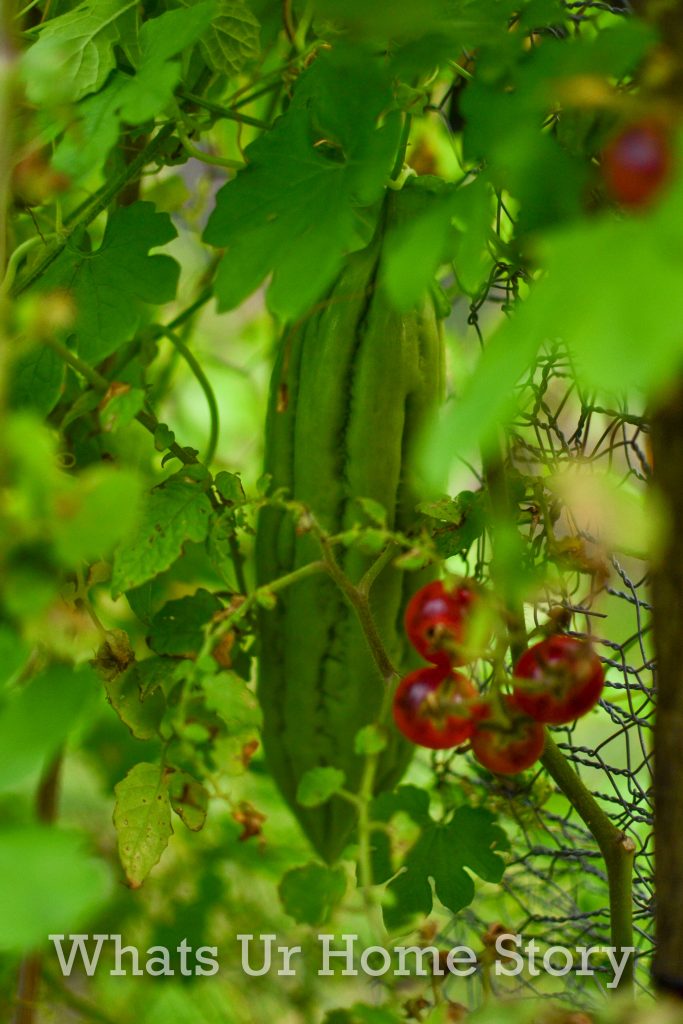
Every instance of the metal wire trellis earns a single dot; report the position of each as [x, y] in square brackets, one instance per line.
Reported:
[555, 887]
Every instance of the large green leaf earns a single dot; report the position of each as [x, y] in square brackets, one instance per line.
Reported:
[110, 285]
[142, 817]
[175, 512]
[442, 855]
[81, 43]
[295, 210]
[132, 98]
[233, 39]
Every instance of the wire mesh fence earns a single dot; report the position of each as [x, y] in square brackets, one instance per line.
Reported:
[555, 887]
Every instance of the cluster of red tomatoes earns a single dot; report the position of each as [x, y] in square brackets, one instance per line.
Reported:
[554, 682]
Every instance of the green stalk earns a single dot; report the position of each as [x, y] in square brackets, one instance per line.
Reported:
[617, 849]
[204, 384]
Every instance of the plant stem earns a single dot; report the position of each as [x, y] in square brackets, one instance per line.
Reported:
[402, 147]
[204, 384]
[380, 563]
[616, 848]
[226, 112]
[225, 625]
[30, 970]
[359, 602]
[204, 157]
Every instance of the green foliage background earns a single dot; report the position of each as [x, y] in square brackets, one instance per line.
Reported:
[182, 179]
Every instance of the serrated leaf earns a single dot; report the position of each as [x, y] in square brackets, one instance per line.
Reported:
[163, 437]
[462, 520]
[441, 854]
[134, 99]
[162, 39]
[110, 286]
[229, 486]
[177, 629]
[142, 818]
[233, 40]
[139, 705]
[319, 784]
[176, 512]
[49, 883]
[233, 701]
[220, 547]
[189, 799]
[294, 210]
[83, 42]
[309, 894]
[36, 379]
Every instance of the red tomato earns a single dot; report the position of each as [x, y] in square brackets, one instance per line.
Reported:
[437, 620]
[637, 162]
[431, 707]
[558, 680]
[509, 746]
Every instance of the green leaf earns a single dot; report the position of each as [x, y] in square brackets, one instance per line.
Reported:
[309, 894]
[461, 521]
[233, 701]
[142, 818]
[176, 512]
[83, 526]
[178, 628]
[111, 285]
[220, 547]
[136, 697]
[371, 739]
[134, 99]
[189, 799]
[82, 43]
[14, 652]
[162, 39]
[49, 884]
[619, 319]
[36, 378]
[120, 406]
[233, 40]
[442, 224]
[295, 210]
[473, 419]
[319, 784]
[229, 486]
[443, 855]
[163, 437]
[400, 19]
[38, 717]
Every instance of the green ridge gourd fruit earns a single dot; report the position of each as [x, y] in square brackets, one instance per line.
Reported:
[351, 387]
